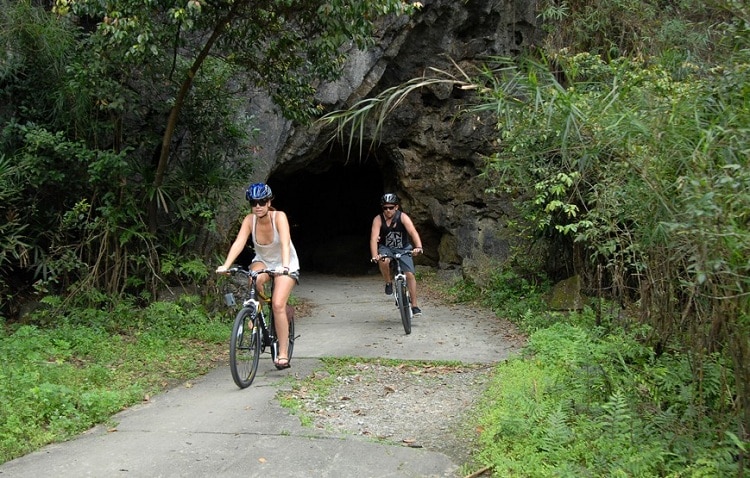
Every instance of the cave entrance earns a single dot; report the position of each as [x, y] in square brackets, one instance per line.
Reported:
[331, 202]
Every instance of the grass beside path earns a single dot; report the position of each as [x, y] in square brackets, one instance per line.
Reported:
[65, 371]
[587, 398]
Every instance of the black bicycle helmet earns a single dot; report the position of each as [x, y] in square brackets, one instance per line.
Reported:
[259, 192]
[389, 198]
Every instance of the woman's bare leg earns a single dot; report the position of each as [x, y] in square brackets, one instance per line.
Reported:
[282, 289]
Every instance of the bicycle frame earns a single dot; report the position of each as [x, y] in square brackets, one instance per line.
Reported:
[255, 301]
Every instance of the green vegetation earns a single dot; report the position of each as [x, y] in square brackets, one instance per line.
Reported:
[622, 140]
[638, 162]
[632, 153]
[589, 397]
[588, 402]
[124, 130]
[72, 368]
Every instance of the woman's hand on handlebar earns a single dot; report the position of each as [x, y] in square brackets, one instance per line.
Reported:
[222, 270]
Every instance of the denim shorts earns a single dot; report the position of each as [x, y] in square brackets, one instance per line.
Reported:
[407, 263]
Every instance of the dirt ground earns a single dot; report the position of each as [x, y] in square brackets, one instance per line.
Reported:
[420, 406]
[413, 404]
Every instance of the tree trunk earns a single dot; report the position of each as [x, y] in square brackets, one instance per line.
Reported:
[158, 199]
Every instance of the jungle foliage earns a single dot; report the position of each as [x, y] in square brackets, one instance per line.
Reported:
[625, 138]
[597, 401]
[124, 133]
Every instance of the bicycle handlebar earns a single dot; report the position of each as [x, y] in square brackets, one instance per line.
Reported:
[394, 255]
[253, 273]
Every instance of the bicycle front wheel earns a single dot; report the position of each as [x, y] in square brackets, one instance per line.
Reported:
[404, 305]
[244, 348]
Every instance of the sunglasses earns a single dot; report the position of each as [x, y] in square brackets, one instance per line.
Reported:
[389, 208]
[260, 203]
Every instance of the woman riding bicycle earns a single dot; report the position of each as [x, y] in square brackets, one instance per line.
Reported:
[274, 249]
[393, 231]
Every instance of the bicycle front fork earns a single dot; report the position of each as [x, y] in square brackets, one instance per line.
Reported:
[399, 283]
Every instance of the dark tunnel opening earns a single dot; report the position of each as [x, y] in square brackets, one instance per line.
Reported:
[330, 204]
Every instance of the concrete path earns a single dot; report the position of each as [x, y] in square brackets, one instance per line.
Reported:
[212, 428]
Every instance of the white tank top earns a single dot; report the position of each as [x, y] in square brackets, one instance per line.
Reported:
[270, 254]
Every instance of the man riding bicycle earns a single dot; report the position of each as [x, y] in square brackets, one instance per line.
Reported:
[393, 232]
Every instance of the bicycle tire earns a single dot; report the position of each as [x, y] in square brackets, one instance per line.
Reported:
[404, 305]
[290, 346]
[291, 337]
[244, 348]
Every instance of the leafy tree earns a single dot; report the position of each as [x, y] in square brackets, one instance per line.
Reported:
[640, 164]
[145, 99]
[285, 46]
[32, 92]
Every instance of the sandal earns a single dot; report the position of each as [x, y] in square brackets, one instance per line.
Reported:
[282, 363]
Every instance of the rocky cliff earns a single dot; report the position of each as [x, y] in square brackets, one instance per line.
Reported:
[429, 151]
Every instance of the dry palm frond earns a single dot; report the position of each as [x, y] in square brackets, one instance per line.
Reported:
[351, 123]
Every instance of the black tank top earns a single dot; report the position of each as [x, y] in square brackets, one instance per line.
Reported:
[394, 236]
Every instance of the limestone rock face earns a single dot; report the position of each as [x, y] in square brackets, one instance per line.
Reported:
[429, 151]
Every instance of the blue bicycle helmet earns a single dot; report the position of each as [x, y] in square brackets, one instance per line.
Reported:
[259, 192]
[389, 198]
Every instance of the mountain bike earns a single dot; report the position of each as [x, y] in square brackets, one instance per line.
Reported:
[253, 330]
[400, 289]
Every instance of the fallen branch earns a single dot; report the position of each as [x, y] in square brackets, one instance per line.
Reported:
[479, 472]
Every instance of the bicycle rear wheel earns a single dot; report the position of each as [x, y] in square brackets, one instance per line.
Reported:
[404, 305]
[244, 348]
[290, 346]
[291, 336]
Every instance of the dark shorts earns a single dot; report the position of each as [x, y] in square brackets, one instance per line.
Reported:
[294, 274]
[407, 263]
